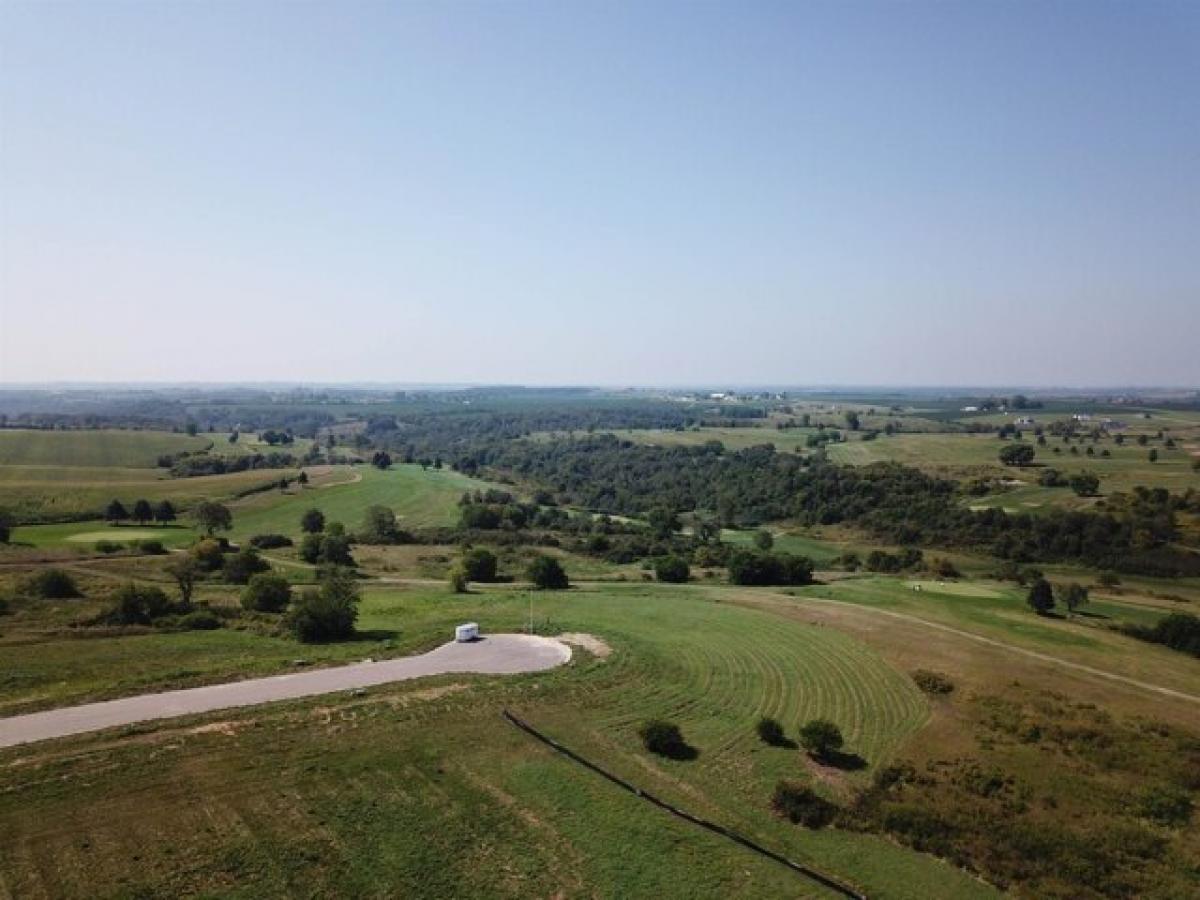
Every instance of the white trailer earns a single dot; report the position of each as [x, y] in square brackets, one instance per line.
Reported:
[468, 631]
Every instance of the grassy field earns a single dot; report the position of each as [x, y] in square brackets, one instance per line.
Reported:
[998, 611]
[128, 449]
[328, 794]
[419, 497]
[974, 454]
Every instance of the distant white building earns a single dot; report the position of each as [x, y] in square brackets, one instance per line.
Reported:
[1024, 420]
[970, 409]
[1082, 417]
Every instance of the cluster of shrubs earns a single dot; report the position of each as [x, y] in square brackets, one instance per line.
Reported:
[754, 567]
[796, 802]
[932, 682]
[270, 541]
[1179, 631]
[148, 547]
[189, 465]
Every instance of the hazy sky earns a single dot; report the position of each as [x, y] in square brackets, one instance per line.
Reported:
[576, 192]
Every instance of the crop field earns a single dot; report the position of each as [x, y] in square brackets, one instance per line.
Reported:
[49, 494]
[329, 793]
[129, 449]
[419, 497]
[55, 476]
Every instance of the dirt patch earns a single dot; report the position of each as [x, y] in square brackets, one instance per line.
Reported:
[589, 642]
[229, 729]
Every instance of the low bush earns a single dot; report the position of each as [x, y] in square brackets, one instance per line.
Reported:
[266, 592]
[108, 546]
[326, 614]
[53, 584]
[198, 620]
[672, 569]
[270, 541]
[241, 566]
[801, 805]
[749, 567]
[932, 682]
[547, 574]
[480, 565]
[664, 738]
[139, 605]
[770, 732]
[151, 547]
[1169, 806]
[821, 738]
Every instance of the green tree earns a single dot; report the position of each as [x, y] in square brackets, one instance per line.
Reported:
[770, 732]
[1017, 454]
[1041, 597]
[547, 574]
[852, 420]
[480, 564]
[1073, 596]
[5, 527]
[820, 738]
[142, 512]
[212, 517]
[459, 583]
[335, 550]
[267, 592]
[313, 521]
[241, 566]
[53, 584]
[326, 614]
[663, 521]
[116, 512]
[664, 738]
[1085, 484]
[379, 526]
[186, 571]
[672, 569]
[164, 512]
[1152, 455]
[310, 548]
[137, 605]
[763, 539]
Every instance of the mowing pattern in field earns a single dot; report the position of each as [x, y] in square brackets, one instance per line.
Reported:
[716, 671]
[375, 796]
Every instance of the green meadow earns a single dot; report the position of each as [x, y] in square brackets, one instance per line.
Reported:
[329, 790]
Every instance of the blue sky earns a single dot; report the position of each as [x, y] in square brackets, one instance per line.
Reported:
[570, 192]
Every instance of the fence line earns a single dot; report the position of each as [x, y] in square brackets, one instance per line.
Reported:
[807, 871]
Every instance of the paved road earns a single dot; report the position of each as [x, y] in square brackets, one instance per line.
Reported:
[497, 654]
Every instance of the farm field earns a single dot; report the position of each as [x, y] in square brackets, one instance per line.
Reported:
[56, 476]
[63, 494]
[112, 447]
[712, 667]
